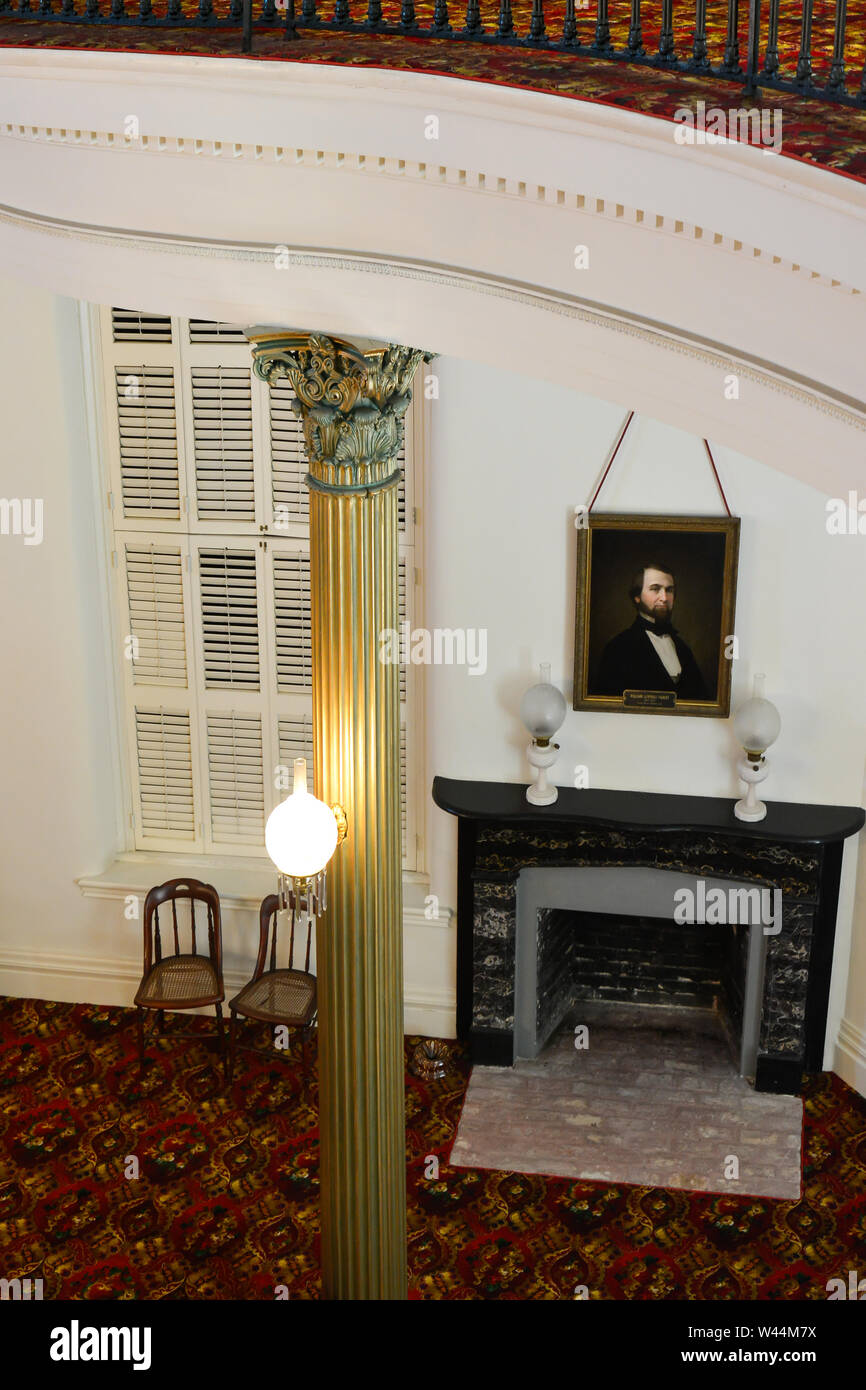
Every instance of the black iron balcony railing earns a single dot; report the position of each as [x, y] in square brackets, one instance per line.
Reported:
[814, 48]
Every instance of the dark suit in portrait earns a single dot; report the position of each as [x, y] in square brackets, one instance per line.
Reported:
[631, 662]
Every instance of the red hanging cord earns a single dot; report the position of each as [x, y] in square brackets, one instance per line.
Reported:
[622, 436]
[612, 457]
[716, 476]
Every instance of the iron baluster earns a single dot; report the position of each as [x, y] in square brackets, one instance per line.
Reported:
[441, 24]
[308, 13]
[602, 43]
[699, 60]
[374, 14]
[836, 80]
[342, 16]
[408, 22]
[569, 27]
[771, 56]
[666, 57]
[731, 61]
[634, 43]
[804, 58]
[205, 11]
[506, 21]
[537, 30]
[291, 29]
[473, 20]
[754, 45]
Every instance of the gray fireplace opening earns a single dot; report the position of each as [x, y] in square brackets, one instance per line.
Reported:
[545, 928]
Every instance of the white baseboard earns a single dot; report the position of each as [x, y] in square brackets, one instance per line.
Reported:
[849, 1058]
[112, 983]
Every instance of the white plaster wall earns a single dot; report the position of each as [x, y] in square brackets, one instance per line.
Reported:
[57, 808]
[510, 459]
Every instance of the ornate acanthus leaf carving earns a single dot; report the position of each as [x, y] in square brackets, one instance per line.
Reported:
[352, 406]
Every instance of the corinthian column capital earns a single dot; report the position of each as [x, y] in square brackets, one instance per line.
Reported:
[351, 403]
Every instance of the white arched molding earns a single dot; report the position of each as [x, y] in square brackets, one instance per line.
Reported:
[311, 196]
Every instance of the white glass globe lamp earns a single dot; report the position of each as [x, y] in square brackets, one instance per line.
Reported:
[543, 710]
[301, 835]
[757, 724]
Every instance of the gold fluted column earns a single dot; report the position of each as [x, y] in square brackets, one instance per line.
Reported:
[352, 406]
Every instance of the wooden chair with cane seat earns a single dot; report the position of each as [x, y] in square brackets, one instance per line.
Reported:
[276, 996]
[181, 981]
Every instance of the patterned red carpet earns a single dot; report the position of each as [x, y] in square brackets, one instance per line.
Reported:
[815, 131]
[226, 1202]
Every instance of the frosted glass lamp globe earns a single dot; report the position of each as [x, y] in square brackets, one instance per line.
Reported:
[757, 723]
[301, 833]
[543, 708]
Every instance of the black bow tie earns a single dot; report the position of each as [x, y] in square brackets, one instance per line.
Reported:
[661, 627]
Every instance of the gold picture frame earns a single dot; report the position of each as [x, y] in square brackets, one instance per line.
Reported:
[683, 616]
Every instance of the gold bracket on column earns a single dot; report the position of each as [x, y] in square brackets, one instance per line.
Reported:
[342, 822]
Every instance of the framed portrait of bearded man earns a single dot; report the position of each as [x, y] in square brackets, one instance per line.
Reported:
[654, 614]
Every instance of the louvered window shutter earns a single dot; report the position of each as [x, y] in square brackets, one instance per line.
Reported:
[165, 776]
[216, 595]
[292, 620]
[147, 428]
[290, 498]
[202, 331]
[295, 737]
[223, 429]
[235, 777]
[154, 585]
[129, 326]
[229, 614]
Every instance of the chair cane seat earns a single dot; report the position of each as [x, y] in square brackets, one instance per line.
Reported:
[287, 996]
[190, 980]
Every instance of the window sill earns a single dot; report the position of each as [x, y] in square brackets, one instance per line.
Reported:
[240, 882]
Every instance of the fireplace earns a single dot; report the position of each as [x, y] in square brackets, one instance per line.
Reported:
[524, 870]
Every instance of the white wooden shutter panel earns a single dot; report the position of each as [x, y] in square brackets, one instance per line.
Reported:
[292, 620]
[235, 777]
[403, 788]
[401, 487]
[223, 429]
[164, 752]
[229, 612]
[147, 428]
[129, 326]
[401, 619]
[204, 331]
[154, 585]
[295, 740]
[290, 496]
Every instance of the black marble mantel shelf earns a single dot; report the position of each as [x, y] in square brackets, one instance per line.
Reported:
[790, 821]
[796, 848]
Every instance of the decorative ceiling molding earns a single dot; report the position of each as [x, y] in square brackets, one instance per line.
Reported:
[381, 166]
[846, 410]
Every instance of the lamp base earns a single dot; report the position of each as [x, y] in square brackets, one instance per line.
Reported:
[541, 797]
[744, 811]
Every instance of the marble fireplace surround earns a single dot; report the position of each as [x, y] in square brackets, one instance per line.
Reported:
[797, 849]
